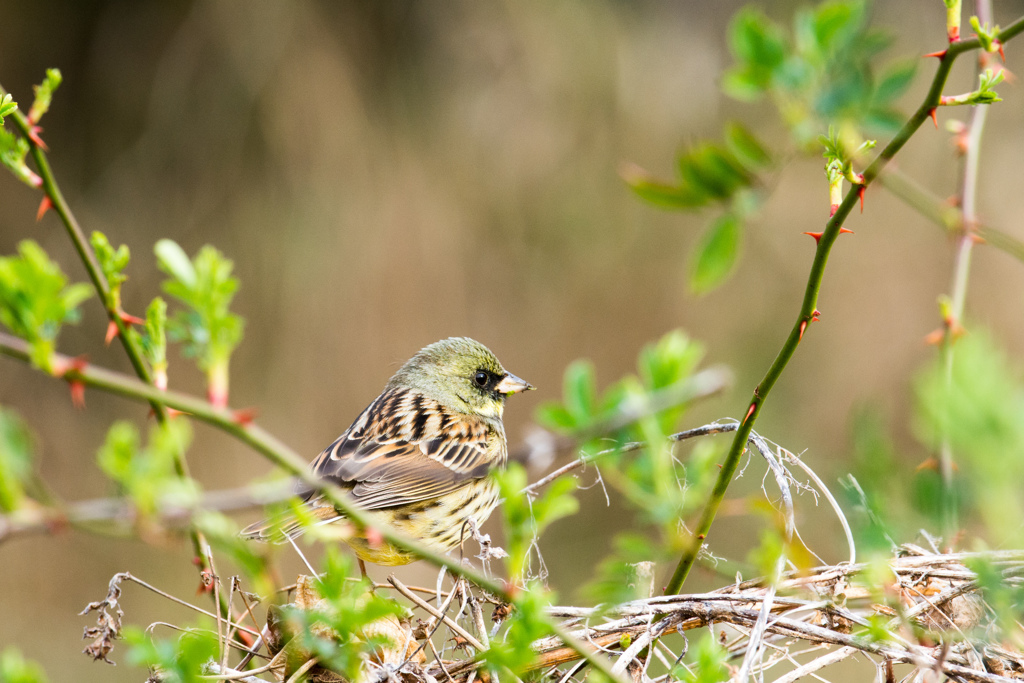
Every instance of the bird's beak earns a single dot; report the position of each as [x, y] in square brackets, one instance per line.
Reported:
[510, 384]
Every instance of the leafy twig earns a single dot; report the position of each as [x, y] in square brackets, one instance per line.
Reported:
[808, 308]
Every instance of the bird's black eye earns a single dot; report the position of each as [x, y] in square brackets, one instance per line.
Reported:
[480, 379]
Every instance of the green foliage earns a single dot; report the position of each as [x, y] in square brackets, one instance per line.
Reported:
[147, 474]
[35, 300]
[582, 412]
[13, 150]
[986, 34]
[44, 95]
[820, 73]
[838, 161]
[985, 94]
[715, 256]
[7, 106]
[712, 174]
[979, 409]
[526, 624]
[15, 460]
[206, 325]
[526, 519]
[112, 261]
[154, 341]
[708, 659]
[348, 607]
[178, 661]
[16, 669]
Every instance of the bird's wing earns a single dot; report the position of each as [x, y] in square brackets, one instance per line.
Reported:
[406, 448]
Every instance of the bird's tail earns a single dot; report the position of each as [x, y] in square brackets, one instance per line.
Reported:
[291, 523]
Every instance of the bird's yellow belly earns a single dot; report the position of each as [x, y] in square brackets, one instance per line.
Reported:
[441, 524]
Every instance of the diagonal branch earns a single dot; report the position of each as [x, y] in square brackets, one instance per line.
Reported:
[811, 292]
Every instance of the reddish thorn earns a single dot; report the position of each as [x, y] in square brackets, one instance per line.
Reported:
[860, 195]
[816, 315]
[171, 412]
[44, 206]
[976, 238]
[935, 338]
[935, 117]
[803, 328]
[940, 55]
[701, 537]
[196, 561]
[111, 332]
[1002, 54]
[33, 135]
[750, 411]
[815, 235]
[129, 319]
[245, 416]
[77, 393]
[842, 230]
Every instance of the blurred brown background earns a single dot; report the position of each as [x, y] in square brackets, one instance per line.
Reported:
[385, 174]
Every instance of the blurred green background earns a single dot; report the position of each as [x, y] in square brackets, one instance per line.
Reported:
[386, 174]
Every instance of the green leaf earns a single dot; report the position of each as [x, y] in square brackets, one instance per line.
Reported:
[671, 359]
[173, 260]
[664, 195]
[15, 460]
[580, 391]
[747, 148]
[710, 170]
[7, 106]
[553, 415]
[44, 95]
[715, 255]
[13, 150]
[526, 625]
[148, 474]
[154, 341]
[112, 261]
[709, 662]
[206, 325]
[35, 300]
[894, 81]
[526, 519]
[756, 40]
[836, 23]
[16, 669]
[180, 660]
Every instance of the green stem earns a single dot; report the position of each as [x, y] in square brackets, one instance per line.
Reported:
[808, 307]
[961, 275]
[947, 217]
[99, 281]
[285, 458]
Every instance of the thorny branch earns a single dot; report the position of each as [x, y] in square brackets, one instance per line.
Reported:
[808, 308]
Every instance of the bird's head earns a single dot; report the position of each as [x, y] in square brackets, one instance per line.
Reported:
[461, 374]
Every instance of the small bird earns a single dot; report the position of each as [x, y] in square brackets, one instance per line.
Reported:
[419, 456]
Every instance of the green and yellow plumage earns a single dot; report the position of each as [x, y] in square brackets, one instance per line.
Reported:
[419, 456]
